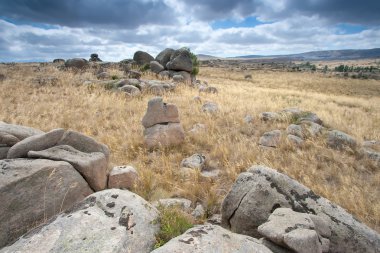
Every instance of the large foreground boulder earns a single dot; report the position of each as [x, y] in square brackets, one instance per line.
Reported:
[92, 166]
[108, 221]
[32, 191]
[259, 191]
[212, 239]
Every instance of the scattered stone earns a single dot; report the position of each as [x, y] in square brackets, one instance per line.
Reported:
[36, 143]
[164, 74]
[294, 230]
[134, 82]
[209, 89]
[33, 191]
[134, 74]
[159, 112]
[248, 119]
[94, 58]
[210, 107]
[178, 79]
[198, 212]
[212, 238]
[269, 116]
[92, 226]
[313, 129]
[248, 77]
[338, 140]
[164, 56]
[260, 190]
[20, 132]
[122, 177]
[93, 166]
[295, 140]
[295, 130]
[180, 60]
[83, 143]
[197, 128]
[181, 203]
[371, 154]
[270, 139]
[159, 135]
[195, 161]
[103, 75]
[142, 58]
[156, 67]
[132, 91]
[76, 63]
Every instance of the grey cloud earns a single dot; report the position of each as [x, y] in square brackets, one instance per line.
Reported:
[81, 13]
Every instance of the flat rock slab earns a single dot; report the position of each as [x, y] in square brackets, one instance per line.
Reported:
[108, 221]
[160, 112]
[36, 143]
[83, 143]
[212, 239]
[93, 166]
[32, 191]
[20, 132]
[260, 190]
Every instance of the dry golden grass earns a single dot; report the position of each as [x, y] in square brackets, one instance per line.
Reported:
[352, 106]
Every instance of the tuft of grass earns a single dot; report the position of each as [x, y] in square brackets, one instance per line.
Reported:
[173, 222]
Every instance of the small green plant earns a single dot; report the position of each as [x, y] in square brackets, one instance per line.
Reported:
[173, 222]
[114, 77]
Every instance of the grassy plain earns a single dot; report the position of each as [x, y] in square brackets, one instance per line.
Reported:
[230, 144]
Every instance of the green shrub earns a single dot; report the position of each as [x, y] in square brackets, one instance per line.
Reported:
[145, 67]
[173, 222]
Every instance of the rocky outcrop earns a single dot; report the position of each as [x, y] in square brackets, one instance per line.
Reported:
[180, 60]
[259, 191]
[76, 63]
[92, 166]
[161, 123]
[142, 58]
[164, 56]
[107, 221]
[212, 238]
[32, 191]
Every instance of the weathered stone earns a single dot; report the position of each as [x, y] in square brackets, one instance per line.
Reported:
[32, 191]
[180, 60]
[256, 193]
[269, 116]
[303, 241]
[181, 203]
[338, 140]
[210, 107]
[130, 90]
[195, 161]
[198, 212]
[76, 63]
[294, 130]
[197, 128]
[108, 221]
[274, 247]
[83, 143]
[134, 74]
[209, 89]
[313, 129]
[156, 67]
[103, 75]
[8, 139]
[92, 166]
[159, 112]
[36, 143]
[370, 154]
[295, 140]
[311, 117]
[20, 132]
[141, 58]
[270, 139]
[122, 177]
[213, 239]
[4, 152]
[171, 134]
[164, 56]
[178, 79]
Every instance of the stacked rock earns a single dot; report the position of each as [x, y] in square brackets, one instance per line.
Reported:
[162, 124]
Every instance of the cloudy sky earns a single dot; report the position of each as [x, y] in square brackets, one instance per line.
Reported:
[38, 30]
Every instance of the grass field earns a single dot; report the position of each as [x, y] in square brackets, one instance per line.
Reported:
[230, 144]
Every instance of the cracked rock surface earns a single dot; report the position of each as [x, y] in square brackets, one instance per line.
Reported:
[107, 221]
[259, 191]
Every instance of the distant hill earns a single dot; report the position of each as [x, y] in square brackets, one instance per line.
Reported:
[204, 57]
[349, 54]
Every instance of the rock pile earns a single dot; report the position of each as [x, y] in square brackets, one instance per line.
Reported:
[162, 124]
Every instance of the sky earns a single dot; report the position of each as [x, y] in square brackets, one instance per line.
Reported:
[42, 30]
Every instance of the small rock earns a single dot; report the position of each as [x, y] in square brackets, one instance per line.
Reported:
[199, 212]
[269, 116]
[295, 130]
[270, 139]
[295, 140]
[159, 135]
[310, 116]
[122, 177]
[210, 107]
[197, 128]
[248, 119]
[103, 75]
[215, 219]
[156, 67]
[195, 161]
[248, 77]
[210, 173]
[313, 129]
[338, 140]
[134, 74]
[159, 112]
[130, 90]
[178, 79]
